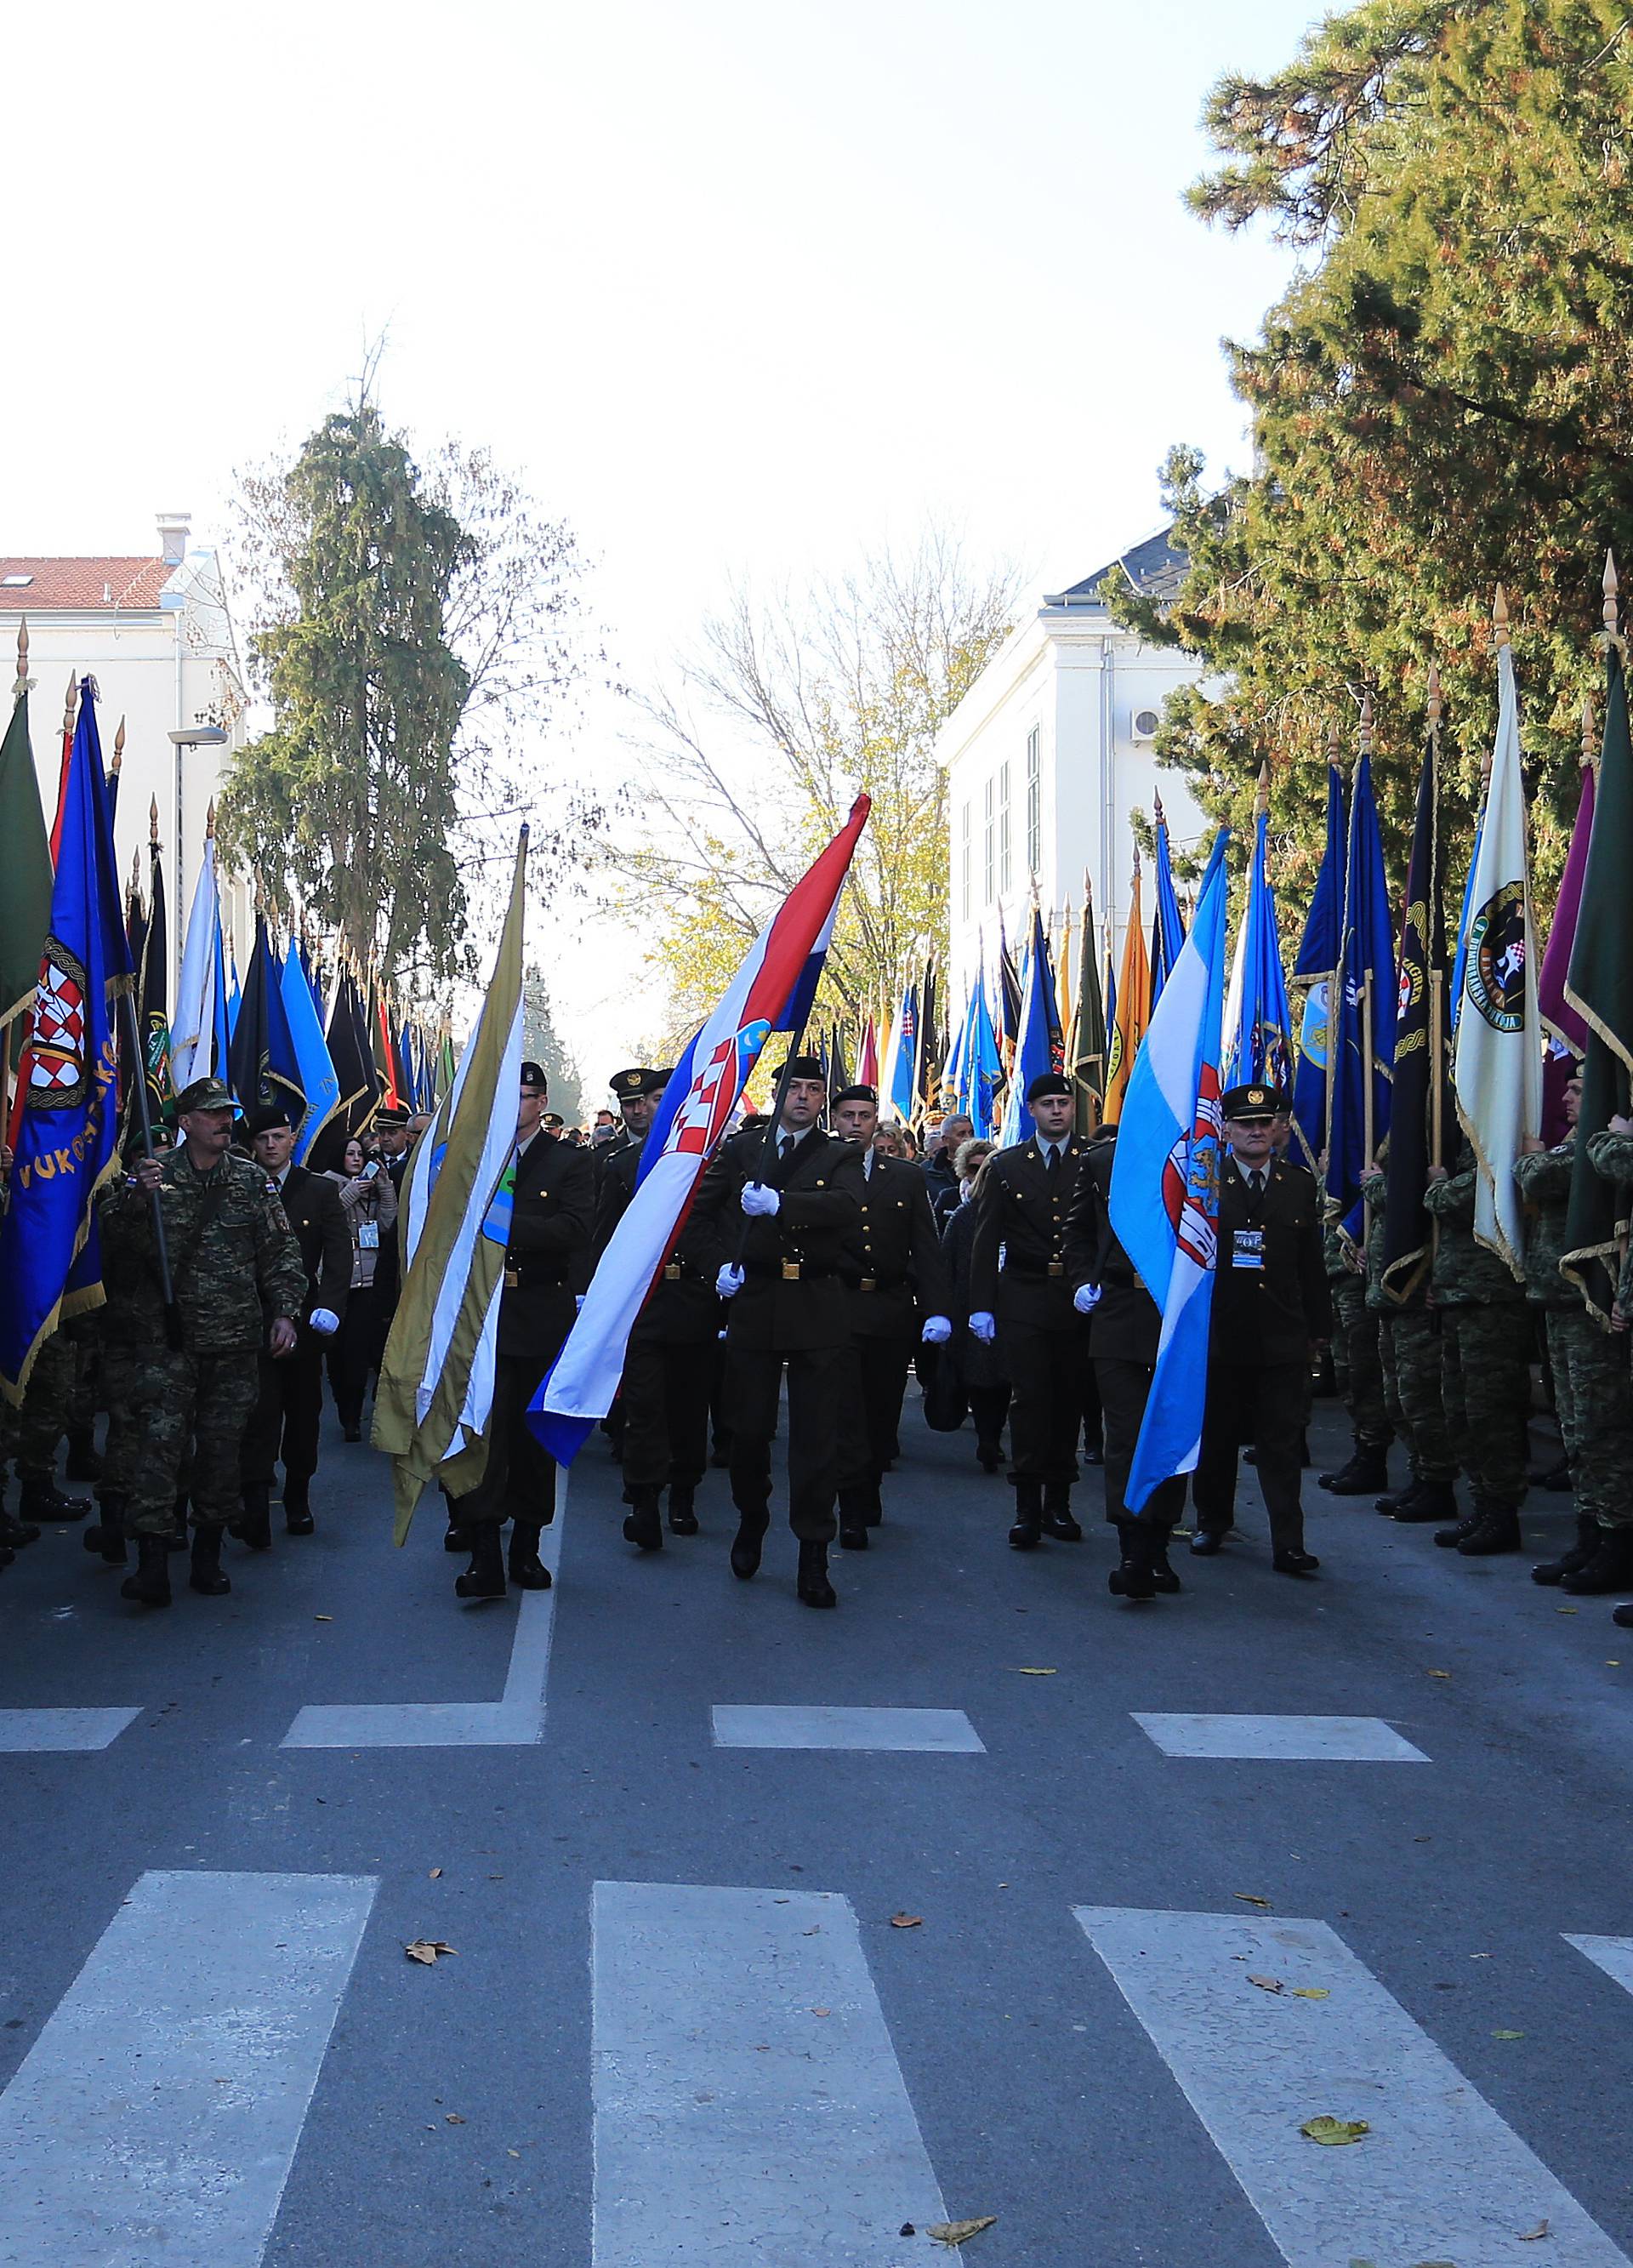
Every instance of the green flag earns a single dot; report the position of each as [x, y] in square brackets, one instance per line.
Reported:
[1598, 985]
[25, 867]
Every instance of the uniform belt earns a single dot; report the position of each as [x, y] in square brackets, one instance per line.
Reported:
[872, 1283]
[791, 1271]
[1048, 1273]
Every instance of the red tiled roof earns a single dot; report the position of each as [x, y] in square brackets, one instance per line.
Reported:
[81, 585]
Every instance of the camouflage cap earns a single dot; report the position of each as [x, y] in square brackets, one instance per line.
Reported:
[203, 1094]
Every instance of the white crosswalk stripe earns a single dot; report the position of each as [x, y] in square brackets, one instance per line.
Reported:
[156, 2117]
[1613, 1955]
[925, 1731]
[1281, 1740]
[1439, 2176]
[62, 1731]
[749, 2109]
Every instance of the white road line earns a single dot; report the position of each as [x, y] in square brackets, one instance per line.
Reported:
[1613, 1955]
[515, 1720]
[749, 2109]
[1282, 1740]
[157, 2115]
[932, 1732]
[60, 1732]
[1439, 2177]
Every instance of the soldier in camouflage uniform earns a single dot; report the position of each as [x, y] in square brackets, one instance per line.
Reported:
[1408, 1342]
[1355, 1331]
[1598, 1379]
[239, 1284]
[1486, 1342]
[30, 1436]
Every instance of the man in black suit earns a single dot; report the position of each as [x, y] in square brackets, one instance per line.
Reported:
[1124, 1326]
[669, 1359]
[799, 1191]
[289, 1402]
[1270, 1307]
[546, 1269]
[893, 1275]
[1019, 1292]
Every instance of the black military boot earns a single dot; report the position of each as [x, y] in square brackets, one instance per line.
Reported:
[1623, 1617]
[1132, 1577]
[1028, 1527]
[1367, 1471]
[458, 1538]
[1057, 1519]
[254, 1524]
[297, 1504]
[205, 1574]
[1497, 1529]
[1569, 1562]
[484, 1578]
[989, 1456]
[177, 1539]
[16, 1532]
[1392, 1499]
[1426, 1501]
[643, 1524]
[874, 1511]
[83, 1464]
[108, 1536]
[682, 1519]
[1294, 1561]
[813, 1585]
[44, 1501]
[526, 1570]
[1449, 1538]
[150, 1586]
[747, 1544]
[853, 1520]
[1162, 1574]
[1610, 1569]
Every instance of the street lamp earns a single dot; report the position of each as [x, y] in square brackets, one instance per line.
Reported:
[189, 736]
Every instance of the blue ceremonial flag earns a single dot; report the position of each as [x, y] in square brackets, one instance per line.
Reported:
[1036, 1042]
[235, 999]
[1363, 1024]
[1258, 1023]
[1164, 1186]
[319, 1085]
[221, 1007]
[64, 1143]
[1167, 925]
[896, 1091]
[981, 1070]
[1318, 957]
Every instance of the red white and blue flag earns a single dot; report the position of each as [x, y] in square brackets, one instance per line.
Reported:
[1165, 1187]
[772, 992]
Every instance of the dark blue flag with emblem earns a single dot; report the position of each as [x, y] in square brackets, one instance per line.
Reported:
[1364, 1020]
[1421, 1116]
[65, 1123]
[1167, 921]
[1318, 957]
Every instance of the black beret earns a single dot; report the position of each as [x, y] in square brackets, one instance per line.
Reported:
[1047, 1082]
[1254, 1100]
[626, 1085]
[533, 1076]
[270, 1117]
[856, 1094]
[802, 1067]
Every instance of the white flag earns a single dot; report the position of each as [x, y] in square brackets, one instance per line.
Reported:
[1499, 1035]
[192, 1033]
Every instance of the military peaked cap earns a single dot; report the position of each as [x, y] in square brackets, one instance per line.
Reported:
[802, 1067]
[627, 1085]
[1253, 1102]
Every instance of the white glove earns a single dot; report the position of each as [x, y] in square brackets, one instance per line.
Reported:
[759, 1203]
[579, 1298]
[1086, 1298]
[728, 1282]
[936, 1331]
[982, 1327]
[324, 1321]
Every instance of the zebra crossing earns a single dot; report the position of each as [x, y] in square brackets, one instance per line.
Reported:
[745, 2097]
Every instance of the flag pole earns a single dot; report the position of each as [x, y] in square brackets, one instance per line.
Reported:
[1334, 747]
[1436, 981]
[1364, 749]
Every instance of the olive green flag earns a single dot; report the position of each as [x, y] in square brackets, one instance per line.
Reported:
[25, 867]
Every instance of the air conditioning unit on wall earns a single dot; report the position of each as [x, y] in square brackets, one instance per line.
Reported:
[1143, 723]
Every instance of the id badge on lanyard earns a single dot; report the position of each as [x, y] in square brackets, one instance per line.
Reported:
[1248, 1248]
[368, 1236]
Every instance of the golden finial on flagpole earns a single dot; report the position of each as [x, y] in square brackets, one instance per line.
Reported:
[1499, 616]
[1137, 862]
[134, 887]
[68, 705]
[1334, 747]
[1262, 801]
[1156, 807]
[22, 657]
[209, 822]
[118, 748]
[153, 822]
[1364, 734]
[1610, 594]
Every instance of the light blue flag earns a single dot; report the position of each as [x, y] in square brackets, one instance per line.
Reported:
[318, 1080]
[982, 1071]
[1164, 1186]
[1258, 1022]
[1034, 1046]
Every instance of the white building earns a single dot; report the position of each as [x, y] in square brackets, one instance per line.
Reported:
[1048, 755]
[155, 634]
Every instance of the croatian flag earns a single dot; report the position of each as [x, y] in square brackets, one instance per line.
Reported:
[1164, 1186]
[772, 992]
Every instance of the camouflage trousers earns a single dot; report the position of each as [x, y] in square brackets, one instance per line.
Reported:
[1485, 1381]
[116, 1374]
[1593, 1397]
[32, 1433]
[1409, 1348]
[181, 1402]
[1355, 1330]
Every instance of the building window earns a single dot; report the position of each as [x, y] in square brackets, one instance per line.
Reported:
[1004, 835]
[1034, 801]
[964, 862]
[986, 847]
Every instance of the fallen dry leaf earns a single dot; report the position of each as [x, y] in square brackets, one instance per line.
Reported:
[435, 1872]
[960, 2232]
[323, 1618]
[1246, 1898]
[907, 1921]
[429, 1950]
[1508, 2036]
[1440, 1673]
[1533, 2235]
[1027, 1672]
[452, 2118]
[1311, 1992]
[821, 2011]
[512, 2154]
[1565, 1610]
[1267, 1984]
[1332, 2133]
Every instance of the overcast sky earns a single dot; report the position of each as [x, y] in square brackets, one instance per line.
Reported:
[735, 286]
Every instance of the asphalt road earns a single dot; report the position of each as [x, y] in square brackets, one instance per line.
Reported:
[215, 2051]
